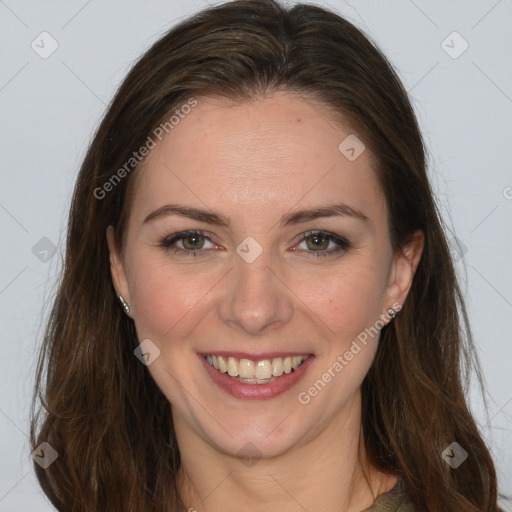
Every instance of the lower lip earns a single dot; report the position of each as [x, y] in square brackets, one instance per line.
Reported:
[257, 391]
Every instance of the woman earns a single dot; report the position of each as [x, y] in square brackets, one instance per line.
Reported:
[258, 308]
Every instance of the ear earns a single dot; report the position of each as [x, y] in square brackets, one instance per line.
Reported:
[116, 267]
[403, 267]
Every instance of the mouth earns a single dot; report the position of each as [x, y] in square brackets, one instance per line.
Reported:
[256, 377]
[262, 371]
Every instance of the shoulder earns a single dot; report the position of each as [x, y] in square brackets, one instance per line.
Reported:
[395, 500]
[407, 506]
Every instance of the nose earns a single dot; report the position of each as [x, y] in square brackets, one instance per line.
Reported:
[256, 299]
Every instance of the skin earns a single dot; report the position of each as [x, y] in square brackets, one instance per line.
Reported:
[255, 162]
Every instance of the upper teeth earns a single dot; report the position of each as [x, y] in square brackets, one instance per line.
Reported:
[248, 369]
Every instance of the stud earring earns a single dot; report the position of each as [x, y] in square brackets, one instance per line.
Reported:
[392, 313]
[127, 308]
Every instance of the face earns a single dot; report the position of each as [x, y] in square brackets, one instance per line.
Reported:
[253, 238]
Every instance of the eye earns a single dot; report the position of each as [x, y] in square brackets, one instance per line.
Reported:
[317, 243]
[191, 241]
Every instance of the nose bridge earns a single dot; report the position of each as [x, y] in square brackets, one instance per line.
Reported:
[255, 298]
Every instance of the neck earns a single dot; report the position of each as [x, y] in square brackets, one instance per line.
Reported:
[329, 473]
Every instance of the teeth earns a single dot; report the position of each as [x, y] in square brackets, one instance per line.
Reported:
[223, 364]
[263, 370]
[246, 369]
[255, 372]
[277, 367]
[296, 360]
[232, 366]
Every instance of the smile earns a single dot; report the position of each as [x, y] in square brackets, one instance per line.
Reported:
[256, 378]
[255, 372]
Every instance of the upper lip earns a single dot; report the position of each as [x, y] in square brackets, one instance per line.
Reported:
[255, 357]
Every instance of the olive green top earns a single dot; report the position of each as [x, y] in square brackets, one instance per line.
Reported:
[395, 500]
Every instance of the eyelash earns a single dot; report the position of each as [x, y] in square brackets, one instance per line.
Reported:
[343, 243]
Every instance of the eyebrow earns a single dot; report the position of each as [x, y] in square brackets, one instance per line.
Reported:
[291, 218]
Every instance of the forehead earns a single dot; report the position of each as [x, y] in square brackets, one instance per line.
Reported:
[274, 152]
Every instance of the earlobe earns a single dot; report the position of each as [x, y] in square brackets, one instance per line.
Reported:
[404, 267]
[117, 272]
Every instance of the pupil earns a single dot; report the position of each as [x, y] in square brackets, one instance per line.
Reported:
[193, 240]
[318, 241]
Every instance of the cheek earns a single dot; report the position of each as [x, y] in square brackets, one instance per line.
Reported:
[348, 301]
[352, 308]
[166, 302]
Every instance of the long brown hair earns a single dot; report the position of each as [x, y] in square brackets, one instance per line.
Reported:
[103, 413]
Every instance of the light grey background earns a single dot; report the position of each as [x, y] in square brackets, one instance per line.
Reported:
[50, 107]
